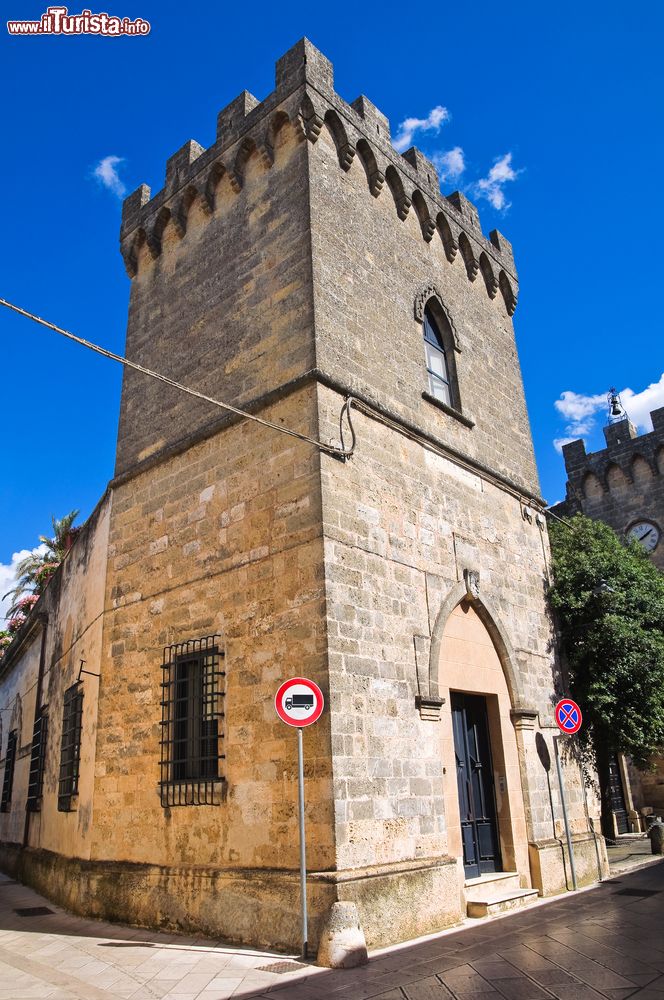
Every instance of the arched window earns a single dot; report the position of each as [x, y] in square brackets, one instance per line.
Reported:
[437, 367]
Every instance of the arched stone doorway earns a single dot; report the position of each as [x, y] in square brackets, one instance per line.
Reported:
[472, 681]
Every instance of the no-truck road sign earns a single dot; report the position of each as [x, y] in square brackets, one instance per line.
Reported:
[299, 702]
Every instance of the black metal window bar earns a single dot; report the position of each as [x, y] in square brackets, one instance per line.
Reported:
[70, 747]
[192, 722]
[37, 759]
[8, 780]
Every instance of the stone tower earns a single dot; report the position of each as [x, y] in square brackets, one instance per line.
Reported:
[304, 271]
[622, 484]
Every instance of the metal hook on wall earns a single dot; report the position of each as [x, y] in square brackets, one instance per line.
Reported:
[88, 672]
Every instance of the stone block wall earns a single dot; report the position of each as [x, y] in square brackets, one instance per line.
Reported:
[401, 525]
[224, 306]
[65, 630]
[370, 267]
[222, 539]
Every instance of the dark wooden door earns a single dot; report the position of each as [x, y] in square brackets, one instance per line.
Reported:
[477, 800]
[617, 793]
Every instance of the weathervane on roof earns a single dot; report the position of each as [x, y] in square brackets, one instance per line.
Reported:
[616, 409]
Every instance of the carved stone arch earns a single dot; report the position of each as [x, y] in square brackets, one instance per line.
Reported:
[183, 207]
[375, 177]
[508, 292]
[158, 227]
[427, 225]
[591, 486]
[345, 151]
[401, 199]
[129, 257]
[248, 147]
[468, 590]
[490, 280]
[469, 258]
[142, 238]
[423, 298]
[642, 467]
[164, 216]
[450, 244]
[216, 172]
[659, 459]
[309, 120]
[275, 125]
[180, 210]
[615, 477]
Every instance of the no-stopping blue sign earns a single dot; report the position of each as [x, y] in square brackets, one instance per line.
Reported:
[568, 716]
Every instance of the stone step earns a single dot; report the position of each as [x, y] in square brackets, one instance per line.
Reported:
[511, 900]
[495, 884]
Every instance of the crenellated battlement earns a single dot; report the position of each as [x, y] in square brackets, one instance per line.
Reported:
[624, 448]
[304, 96]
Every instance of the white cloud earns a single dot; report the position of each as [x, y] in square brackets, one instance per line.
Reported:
[491, 186]
[559, 444]
[580, 411]
[450, 164]
[432, 123]
[107, 175]
[8, 579]
[639, 404]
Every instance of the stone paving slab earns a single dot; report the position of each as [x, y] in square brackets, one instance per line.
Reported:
[603, 943]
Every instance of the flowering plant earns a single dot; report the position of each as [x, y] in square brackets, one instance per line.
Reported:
[44, 574]
[26, 604]
[15, 623]
[34, 572]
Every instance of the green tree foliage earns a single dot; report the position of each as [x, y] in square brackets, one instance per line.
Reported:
[609, 598]
[34, 572]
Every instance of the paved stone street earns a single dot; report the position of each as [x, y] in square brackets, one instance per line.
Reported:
[627, 851]
[606, 942]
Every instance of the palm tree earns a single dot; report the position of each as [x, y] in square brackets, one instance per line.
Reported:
[34, 572]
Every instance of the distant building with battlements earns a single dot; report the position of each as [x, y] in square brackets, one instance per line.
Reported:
[623, 484]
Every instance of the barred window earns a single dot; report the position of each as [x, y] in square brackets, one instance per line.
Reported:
[37, 758]
[8, 780]
[70, 747]
[192, 714]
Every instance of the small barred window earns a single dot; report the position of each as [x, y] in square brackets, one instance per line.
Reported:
[192, 722]
[70, 747]
[37, 759]
[8, 780]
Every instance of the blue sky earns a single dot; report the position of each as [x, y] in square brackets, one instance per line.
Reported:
[554, 112]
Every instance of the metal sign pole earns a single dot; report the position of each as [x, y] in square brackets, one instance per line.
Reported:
[299, 702]
[564, 805]
[303, 851]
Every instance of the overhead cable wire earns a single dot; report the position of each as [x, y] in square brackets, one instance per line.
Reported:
[328, 448]
[351, 401]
